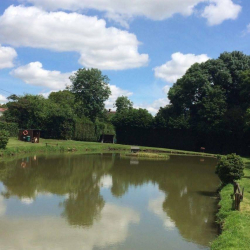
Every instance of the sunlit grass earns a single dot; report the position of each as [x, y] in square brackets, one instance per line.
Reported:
[235, 224]
[15, 147]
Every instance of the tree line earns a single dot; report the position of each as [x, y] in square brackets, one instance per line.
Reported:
[209, 107]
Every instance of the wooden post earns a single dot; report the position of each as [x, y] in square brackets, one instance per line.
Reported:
[237, 201]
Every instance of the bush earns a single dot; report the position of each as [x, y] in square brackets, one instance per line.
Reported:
[230, 168]
[4, 138]
[11, 127]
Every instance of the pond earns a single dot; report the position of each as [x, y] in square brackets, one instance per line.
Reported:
[97, 202]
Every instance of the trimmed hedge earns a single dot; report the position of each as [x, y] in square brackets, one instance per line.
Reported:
[11, 127]
[230, 168]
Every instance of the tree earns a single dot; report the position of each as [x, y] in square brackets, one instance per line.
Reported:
[169, 117]
[123, 103]
[91, 90]
[29, 111]
[63, 98]
[230, 168]
[136, 118]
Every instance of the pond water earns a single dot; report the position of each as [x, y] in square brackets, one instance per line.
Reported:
[97, 202]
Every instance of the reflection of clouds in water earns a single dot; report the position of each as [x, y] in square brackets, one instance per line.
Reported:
[183, 191]
[27, 201]
[155, 206]
[106, 181]
[2, 206]
[52, 233]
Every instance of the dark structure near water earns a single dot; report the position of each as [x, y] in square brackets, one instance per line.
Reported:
[29, 135]
[108, 138]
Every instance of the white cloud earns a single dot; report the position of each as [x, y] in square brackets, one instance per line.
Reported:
[116, 92]
[54, 232]
[221, 10]
[153, 9]
[177, 67]
[154, 106]
[123, 10]
[7, 55]
[3, 99]
[99, 46]
[34, 74]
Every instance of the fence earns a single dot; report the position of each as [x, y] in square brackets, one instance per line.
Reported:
[239, 195]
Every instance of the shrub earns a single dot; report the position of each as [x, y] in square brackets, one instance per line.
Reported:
[11, 127]
[230, 168]
[4, 138]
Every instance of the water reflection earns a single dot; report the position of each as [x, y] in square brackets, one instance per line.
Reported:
[78, 180]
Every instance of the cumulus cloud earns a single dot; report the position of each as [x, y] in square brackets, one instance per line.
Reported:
[153, 9]
[154, 106]
[122, 11]
[116, 92]
[221, 10]
[3, 99]
[7, 55]
[34, 74]
[177, 67]
[98, 46]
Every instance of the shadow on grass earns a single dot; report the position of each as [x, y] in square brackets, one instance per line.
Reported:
[247, 165]
[246, 177]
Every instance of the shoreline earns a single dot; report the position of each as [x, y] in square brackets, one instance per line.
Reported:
[234, 225]
[15, 148]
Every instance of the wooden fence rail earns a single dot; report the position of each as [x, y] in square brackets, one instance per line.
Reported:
[239, 195]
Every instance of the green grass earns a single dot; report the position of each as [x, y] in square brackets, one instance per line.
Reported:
[235, 224]
[146, 155]
[16, 147]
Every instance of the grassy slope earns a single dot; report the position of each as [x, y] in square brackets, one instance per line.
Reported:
[17, 147]
[236, 225]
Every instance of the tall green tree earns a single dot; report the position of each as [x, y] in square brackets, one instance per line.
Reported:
[136, 118]
[91, 90]
[122, 103]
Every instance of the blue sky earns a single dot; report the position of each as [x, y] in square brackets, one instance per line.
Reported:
[143, 46]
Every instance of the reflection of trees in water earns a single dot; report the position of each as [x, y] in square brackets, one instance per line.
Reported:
[184, 180]
[84, 207]
[75, 176]
[188, 185]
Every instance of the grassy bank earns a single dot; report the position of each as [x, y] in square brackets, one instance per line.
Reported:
[235, 224]
[16, 147]
[145, 155]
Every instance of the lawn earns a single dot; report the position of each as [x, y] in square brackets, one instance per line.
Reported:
[236, 224]
[15, 147]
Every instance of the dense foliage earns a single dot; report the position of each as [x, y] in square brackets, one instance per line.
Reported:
[209, 106]
[69, 114]
[10, 127]
[122, 103]
[4, 138]
[230, 168]
[91, 90]
[139, 118]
